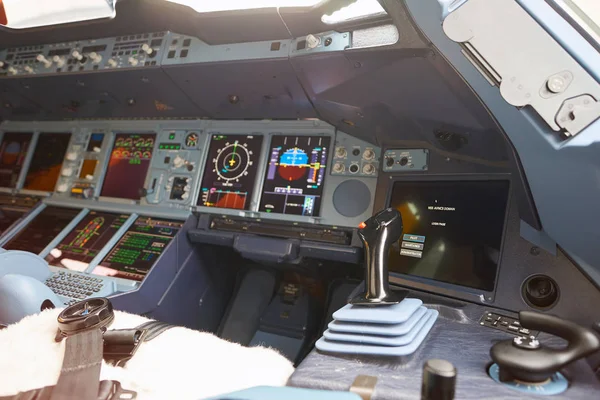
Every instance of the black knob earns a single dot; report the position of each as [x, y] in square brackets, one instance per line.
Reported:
[378, 233]
[389, 162]
[439, 380]
[403, 161]
[528, 360]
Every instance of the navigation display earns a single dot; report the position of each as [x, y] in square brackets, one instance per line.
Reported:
[452, 230]
[129, 161]
[230, 171]
[295, 175]
[139, 248]
[47, 161]
[42, 229]
[13, 151]
[85, 241]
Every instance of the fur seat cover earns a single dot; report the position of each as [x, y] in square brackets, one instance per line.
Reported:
[179, 364]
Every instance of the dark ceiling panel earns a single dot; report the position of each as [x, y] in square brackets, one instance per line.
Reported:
[123, 94]
[263, 89]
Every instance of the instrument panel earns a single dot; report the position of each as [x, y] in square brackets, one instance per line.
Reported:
[256, 169]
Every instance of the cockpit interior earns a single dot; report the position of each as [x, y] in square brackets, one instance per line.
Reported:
[398, 197]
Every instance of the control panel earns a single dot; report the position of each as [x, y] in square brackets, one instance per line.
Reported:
[131, 51]
[175, 167]
[298, 171]
[355, 157]
[405, 160]
[83, 164]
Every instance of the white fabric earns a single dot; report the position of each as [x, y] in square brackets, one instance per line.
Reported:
[179, 364]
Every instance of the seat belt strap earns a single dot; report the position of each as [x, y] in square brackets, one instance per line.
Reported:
[80, 375]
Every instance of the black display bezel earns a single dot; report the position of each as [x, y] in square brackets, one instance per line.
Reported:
[444, 288]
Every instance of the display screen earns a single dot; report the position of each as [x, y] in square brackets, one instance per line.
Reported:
[295, 175]
[139, 248]
[8, 216]
[230, 171]
[452, 230]
[47, 161]
[42, 229]
[13, 151]
[85, 241]
[128, 165]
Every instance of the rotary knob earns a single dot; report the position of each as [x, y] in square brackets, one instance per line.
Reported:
[147, 49]
[178, 162]
[62, 187]
[71, 156]
[28, 69]
[438, 381]
[95, 57]
[112, 62]
[340, 152]
[60, 61]
[133, 61]
[368, 169]
[42, 59]
[369, 154]
[339, 168]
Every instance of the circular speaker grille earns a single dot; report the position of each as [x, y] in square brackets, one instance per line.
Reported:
[351, 198]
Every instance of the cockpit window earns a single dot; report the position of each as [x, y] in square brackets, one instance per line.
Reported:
[230, 5]
[586, 13]
[357, 10]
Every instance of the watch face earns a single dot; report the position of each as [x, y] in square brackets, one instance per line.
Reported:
[95, 313]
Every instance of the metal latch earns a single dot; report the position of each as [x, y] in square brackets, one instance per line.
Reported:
[513, 52]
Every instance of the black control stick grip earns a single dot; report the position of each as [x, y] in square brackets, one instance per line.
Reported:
[527, 360]
[378, 233]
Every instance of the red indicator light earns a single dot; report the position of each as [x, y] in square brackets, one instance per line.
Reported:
[362, 225]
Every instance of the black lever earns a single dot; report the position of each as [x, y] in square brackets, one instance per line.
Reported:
[527, 360]
[378, 233]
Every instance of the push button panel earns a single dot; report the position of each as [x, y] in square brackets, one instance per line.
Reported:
[506, 324]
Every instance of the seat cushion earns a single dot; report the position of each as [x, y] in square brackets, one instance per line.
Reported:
[181, 363]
